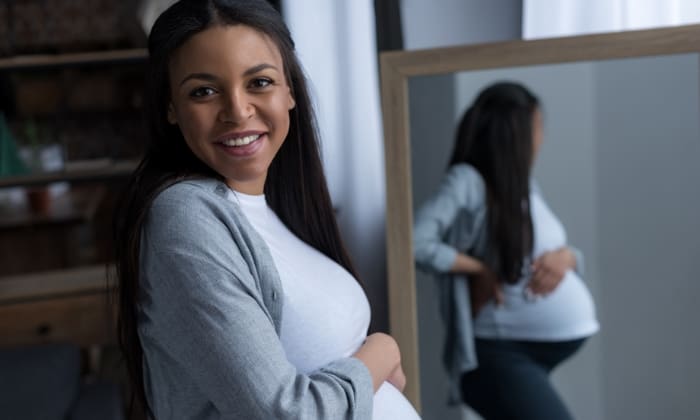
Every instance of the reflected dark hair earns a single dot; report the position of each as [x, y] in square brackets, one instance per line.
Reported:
[295, 187]
[495, 137]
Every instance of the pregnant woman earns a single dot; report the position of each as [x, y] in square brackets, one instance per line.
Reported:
[237, 298]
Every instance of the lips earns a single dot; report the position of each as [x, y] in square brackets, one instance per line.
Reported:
[241, 144]
[240, 141]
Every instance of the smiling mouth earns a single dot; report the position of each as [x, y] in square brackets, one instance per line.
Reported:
[240, 141]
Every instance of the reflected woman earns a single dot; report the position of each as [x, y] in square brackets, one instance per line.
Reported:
[512, 297]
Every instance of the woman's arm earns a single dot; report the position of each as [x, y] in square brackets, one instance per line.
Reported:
[380, 353]
[468, 265]
[462, 189]
[205, 326]
[484, 285]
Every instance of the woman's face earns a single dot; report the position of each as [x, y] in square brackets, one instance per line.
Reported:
[231, 100]
[537, 132]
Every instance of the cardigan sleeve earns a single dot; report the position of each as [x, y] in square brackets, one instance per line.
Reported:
[462, 189]
[202, 309]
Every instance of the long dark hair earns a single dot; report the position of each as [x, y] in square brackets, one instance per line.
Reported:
[295, 187]
[495, 137]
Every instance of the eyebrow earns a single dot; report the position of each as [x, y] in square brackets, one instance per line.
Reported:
[259, 68]
[210, 77]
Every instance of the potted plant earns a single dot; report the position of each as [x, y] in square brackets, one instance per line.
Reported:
[40, 156]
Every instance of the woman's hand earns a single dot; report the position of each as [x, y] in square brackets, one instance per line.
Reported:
[397, 378]
[549, 269]
[380, 353]
[484, 286]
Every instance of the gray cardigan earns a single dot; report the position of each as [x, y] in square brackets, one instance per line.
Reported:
[209, 321]
[454, 220]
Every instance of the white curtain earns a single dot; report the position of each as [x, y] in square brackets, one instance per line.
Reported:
[557, 18]
[148, 11]
[336, 44]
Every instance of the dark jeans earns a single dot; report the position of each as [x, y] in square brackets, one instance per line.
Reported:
[512, 380]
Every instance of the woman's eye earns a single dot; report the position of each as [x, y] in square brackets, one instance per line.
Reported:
[260, 82]
[202, 92]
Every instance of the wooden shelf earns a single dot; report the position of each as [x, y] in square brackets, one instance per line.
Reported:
[75, 206]
[53, 60]
[56, 283]
[110, 170]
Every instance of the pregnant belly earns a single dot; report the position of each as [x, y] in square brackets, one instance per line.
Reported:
[390, 403]
[566, 313]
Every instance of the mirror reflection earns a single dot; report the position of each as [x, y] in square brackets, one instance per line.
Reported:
[618, 167]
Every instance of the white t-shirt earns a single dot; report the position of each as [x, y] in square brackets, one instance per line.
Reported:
[325, 315]
[567, 313]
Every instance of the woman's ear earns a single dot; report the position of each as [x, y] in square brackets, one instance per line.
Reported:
[171, 114]
[291, 103]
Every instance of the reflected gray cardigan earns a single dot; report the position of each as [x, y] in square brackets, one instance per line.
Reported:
[209, 320]
[454, 220]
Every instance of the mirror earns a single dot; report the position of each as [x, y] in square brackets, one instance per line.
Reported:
[619, 167]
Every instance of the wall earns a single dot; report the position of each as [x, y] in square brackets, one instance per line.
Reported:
[441, 23]
[649, 236]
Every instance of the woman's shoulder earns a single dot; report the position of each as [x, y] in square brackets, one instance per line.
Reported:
[196, 213]
[192, 190]
[465, 171]
[466, 178]
[191, 196]
[189, 203]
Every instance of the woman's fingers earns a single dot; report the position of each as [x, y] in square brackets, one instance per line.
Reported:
[545, 282]
[541, 282]
[398, 378]
[498, 295]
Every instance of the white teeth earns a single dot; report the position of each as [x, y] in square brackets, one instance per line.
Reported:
[242, 141]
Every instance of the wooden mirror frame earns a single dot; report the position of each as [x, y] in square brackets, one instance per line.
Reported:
[398, 66]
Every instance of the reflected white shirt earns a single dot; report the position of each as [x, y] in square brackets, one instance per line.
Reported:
[566, 313]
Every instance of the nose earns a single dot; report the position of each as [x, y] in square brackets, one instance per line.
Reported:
[237, 107]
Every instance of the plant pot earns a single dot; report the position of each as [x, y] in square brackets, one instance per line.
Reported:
[39, 200]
